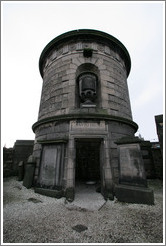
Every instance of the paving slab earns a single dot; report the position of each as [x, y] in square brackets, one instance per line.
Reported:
[86, 198]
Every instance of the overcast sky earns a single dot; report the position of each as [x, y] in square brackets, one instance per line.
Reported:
[28, 26]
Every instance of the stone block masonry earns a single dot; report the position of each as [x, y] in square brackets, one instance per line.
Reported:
[84, 109]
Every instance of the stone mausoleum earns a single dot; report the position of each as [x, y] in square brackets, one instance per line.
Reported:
[85, 132]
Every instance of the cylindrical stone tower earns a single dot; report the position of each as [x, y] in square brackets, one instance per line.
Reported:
[84, 110]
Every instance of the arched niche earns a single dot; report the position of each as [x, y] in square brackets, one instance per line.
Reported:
[88, 86]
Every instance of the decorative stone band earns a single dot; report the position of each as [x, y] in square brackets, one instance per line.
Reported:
[61, 141]
[79, 116]
[85, 34]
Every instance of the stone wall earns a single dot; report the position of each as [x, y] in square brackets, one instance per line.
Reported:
[157, 160]
[60, 71]
[21, 150]
[54, 132]
[8, 155]
[61, 132]
[159, 129]
[146, 150]
[116, 131]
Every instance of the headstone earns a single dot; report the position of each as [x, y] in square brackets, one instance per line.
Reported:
[131, 165]
[132, 185]
[20, 171]
[29, 172]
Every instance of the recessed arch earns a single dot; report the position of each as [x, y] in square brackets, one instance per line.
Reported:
[88, 69]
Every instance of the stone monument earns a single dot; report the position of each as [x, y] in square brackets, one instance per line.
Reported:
[84, 110]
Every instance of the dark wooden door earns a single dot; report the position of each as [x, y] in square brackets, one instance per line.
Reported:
[87, 161]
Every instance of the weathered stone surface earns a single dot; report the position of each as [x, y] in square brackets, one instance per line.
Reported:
[131, 166]
[29, 175]
[8, 157]
[50, 192]
[132, 185]
[134, 194]
[20, 171]
[69, 194]
[110, 71]
[29, 172]
[75, 111]
[22, 149]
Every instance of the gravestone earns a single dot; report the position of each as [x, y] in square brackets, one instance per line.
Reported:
[29, 172]
[132, 185]
[20, 171]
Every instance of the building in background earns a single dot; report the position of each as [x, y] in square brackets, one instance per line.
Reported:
[21, 150]
[159, 128]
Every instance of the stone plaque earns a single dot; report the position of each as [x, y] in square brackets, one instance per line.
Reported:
[50, 165]
[74, 125]
[131, 164]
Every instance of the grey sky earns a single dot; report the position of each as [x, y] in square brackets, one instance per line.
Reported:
[28, 26]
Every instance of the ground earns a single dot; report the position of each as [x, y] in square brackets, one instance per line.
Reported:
[29, 217]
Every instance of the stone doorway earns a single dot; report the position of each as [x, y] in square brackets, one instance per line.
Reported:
[87, 161]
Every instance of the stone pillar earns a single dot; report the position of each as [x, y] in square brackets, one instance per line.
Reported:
[107, 182]
[70, 171]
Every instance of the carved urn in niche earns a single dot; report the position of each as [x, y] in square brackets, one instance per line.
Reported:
[87, 89]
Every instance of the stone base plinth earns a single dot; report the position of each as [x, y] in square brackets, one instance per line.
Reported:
[133, 194]
[49, 192]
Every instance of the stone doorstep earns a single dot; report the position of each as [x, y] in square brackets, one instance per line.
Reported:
[134, 194]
